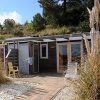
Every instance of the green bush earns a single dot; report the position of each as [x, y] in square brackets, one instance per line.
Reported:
[84, 26]
[38, 22]
[63, 30]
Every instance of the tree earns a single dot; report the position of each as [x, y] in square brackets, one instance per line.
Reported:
[50, 11]
[38, 22]
[1, 29]
[69, 12]
[28, 25]
[9, 25]
[18, 30]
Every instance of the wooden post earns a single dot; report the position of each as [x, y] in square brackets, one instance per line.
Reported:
[69, 51]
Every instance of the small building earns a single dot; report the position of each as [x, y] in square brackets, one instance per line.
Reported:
[45, 53]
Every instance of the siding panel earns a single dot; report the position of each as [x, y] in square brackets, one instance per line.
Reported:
[50, 63]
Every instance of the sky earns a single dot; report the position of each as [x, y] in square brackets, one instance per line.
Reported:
[19, 10]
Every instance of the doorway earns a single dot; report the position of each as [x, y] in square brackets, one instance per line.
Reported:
[62, 56]
[68, 52]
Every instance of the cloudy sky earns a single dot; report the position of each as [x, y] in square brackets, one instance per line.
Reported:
[19, 10]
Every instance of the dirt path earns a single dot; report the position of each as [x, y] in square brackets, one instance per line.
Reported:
[48, 86]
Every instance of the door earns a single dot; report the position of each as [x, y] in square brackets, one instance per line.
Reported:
[62, 57]
[23, 56]
[36, 58]
[68, 52]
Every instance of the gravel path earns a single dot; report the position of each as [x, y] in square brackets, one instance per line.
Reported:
[67, 93]
[16, 88]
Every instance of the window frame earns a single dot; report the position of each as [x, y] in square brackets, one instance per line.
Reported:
[41, 55]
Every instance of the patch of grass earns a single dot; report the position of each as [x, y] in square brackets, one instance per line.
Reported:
[2, 37]
[49, 30]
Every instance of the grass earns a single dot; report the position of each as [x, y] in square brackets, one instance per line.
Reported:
[89, 80]
[49, 30]
[2, 37]
[53, 31]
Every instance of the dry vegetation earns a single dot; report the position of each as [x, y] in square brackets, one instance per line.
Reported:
[89, 81]
[50, 30]
[3, 78]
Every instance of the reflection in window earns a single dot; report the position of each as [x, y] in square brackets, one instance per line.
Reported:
[76, 52]
[75, 49]
[63, 54]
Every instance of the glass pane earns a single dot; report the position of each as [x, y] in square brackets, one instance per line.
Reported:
[62, 57]
[76, 52]
[43, 50]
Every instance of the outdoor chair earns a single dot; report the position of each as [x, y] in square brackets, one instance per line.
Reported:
[13, 70]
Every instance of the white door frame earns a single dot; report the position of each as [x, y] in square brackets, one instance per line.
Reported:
[57, 50]
[68, 51]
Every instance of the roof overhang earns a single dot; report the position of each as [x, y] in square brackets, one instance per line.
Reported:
[75, 38]
[58, 38]
[61, 39]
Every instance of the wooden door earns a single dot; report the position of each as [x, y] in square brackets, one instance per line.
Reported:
[36, 58]
[62, 57]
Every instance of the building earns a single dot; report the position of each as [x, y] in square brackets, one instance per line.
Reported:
[45, 53]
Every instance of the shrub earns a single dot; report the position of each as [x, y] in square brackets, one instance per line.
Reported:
[3, 79]
[2, 37]
[38, 22]
[64, 30]
[84, 26]
[50, 30]
[18, 33]
[89, 81]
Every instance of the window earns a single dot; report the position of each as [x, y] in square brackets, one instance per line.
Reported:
[44, 51]
[76, 50]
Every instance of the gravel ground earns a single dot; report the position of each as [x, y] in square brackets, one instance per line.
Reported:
[20, 86]
[16, 88]
[67, 93]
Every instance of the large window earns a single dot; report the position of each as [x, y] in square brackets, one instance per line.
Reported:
[76, 50]
[44, 51]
